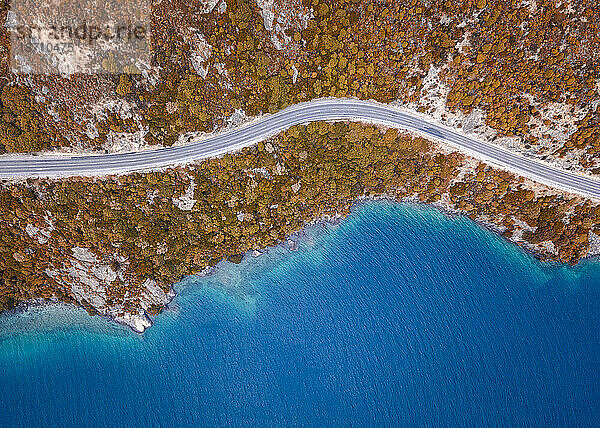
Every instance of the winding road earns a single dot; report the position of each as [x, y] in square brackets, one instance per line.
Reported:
[14, 167]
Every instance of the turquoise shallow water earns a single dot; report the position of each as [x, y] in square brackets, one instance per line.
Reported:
[397, 316]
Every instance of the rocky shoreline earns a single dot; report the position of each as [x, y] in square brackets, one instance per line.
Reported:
[139, 323]
[292, 242]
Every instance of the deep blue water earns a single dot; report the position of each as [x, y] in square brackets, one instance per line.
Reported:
[397, 316]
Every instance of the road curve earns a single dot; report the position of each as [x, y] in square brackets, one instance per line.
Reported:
[14, 167]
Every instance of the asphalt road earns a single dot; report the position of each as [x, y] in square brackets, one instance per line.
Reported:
[325, 109]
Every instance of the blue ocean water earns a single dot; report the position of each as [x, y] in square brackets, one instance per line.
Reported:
[398, 316]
